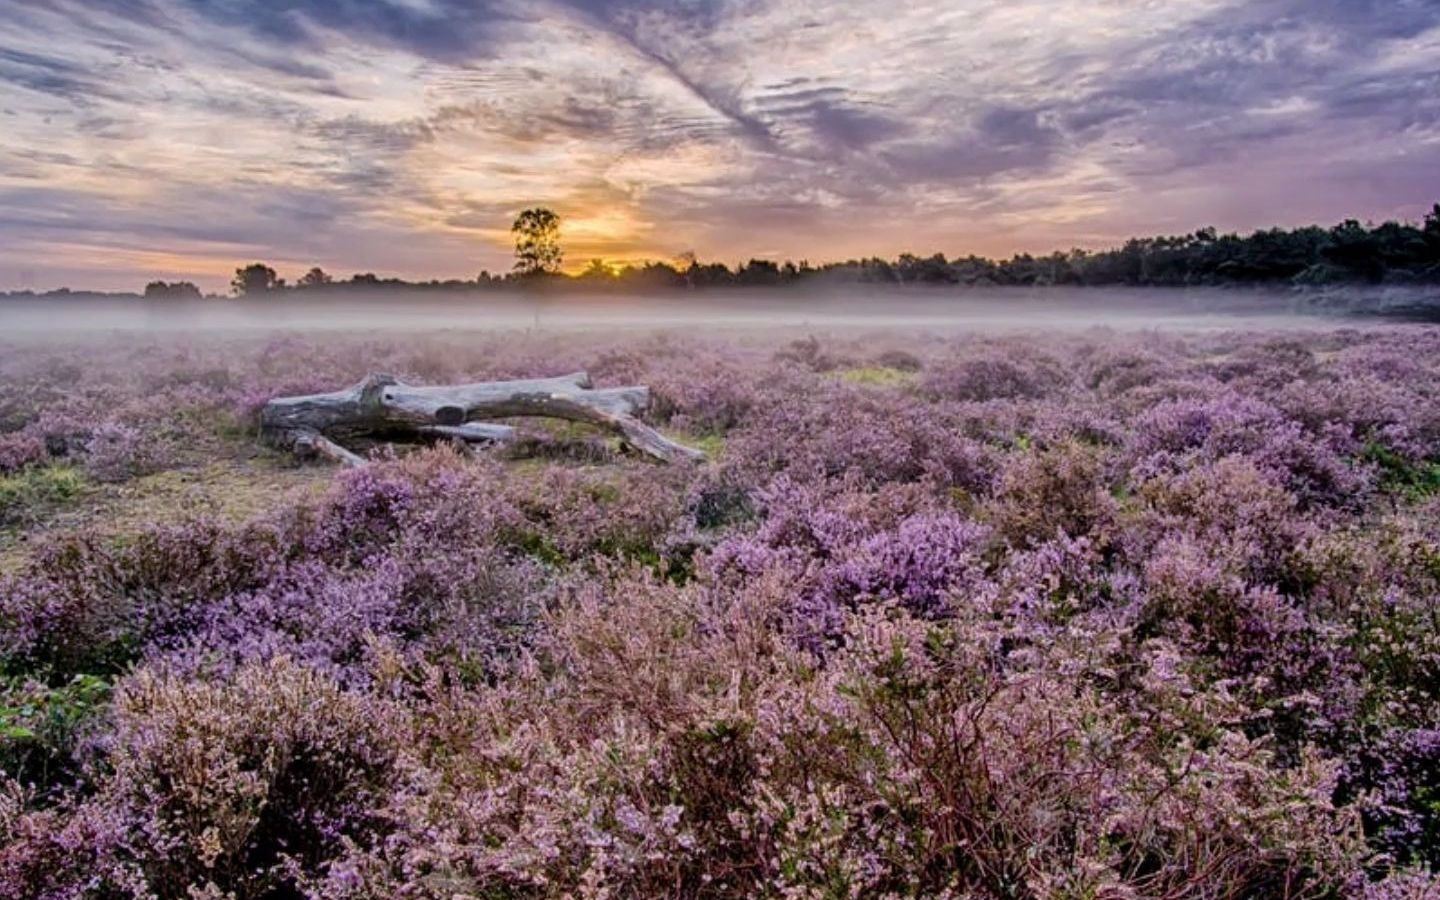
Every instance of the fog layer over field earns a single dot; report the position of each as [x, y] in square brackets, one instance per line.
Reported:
[972, 309]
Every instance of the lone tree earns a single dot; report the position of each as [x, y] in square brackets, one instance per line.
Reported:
[256, 278]
[537, 242]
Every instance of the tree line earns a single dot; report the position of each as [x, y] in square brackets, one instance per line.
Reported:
[1349, 253]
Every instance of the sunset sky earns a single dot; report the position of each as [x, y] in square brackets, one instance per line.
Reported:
[179, 138]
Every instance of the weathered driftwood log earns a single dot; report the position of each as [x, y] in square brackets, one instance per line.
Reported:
[383, 408]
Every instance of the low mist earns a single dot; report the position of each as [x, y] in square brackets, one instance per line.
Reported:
[998, 309]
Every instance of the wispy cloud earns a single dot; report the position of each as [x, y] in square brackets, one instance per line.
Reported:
[400, 135]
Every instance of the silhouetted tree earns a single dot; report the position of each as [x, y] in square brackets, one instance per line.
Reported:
[653, 276]
[1391, 252]
[1354, 247]
[598, 270]
[256, 278]
[707, 275]
[316, 277]
[537, 242]
[1430, 235]
[933, 270]
[758, 272]
[179, 290]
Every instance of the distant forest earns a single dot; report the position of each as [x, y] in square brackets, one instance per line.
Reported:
[1348, 253]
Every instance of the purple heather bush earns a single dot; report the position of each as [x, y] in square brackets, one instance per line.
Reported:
[118, 452]
[1080, 615]
[997, 373]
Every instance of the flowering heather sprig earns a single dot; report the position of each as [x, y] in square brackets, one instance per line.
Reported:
[235, 784]
[117, 452]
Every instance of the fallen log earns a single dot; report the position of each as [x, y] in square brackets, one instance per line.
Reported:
[312, 443]
[383, 408]
[472, 432]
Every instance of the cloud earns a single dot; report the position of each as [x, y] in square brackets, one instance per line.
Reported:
[447, 30]
[999, 140]
[400, 135]
[825, 120]
[49, 75]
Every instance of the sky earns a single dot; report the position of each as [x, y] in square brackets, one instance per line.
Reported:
[177, 139]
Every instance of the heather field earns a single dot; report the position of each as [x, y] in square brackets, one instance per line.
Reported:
[1074, 614]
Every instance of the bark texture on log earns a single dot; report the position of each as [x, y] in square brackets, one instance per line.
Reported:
[384, 408]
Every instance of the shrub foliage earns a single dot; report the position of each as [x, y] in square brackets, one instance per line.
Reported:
[1086, 615]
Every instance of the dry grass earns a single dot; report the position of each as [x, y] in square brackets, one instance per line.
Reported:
[878, 376]
[231, 489]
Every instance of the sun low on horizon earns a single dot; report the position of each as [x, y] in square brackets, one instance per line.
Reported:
[178, 138]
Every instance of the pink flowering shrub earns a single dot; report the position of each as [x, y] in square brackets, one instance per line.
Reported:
[1085, 615]
[1050, 492]
[710, 396]
[19, 449]
[997, 373]
[948, 768]
[117, 452]
[240, 786]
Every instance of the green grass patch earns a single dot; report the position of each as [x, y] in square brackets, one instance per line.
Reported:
[712, 445]
[226, 424]
[1400, 476]
[565, 430]
[537, 545]
[878, 376]
[39, 726]
[28, 494]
